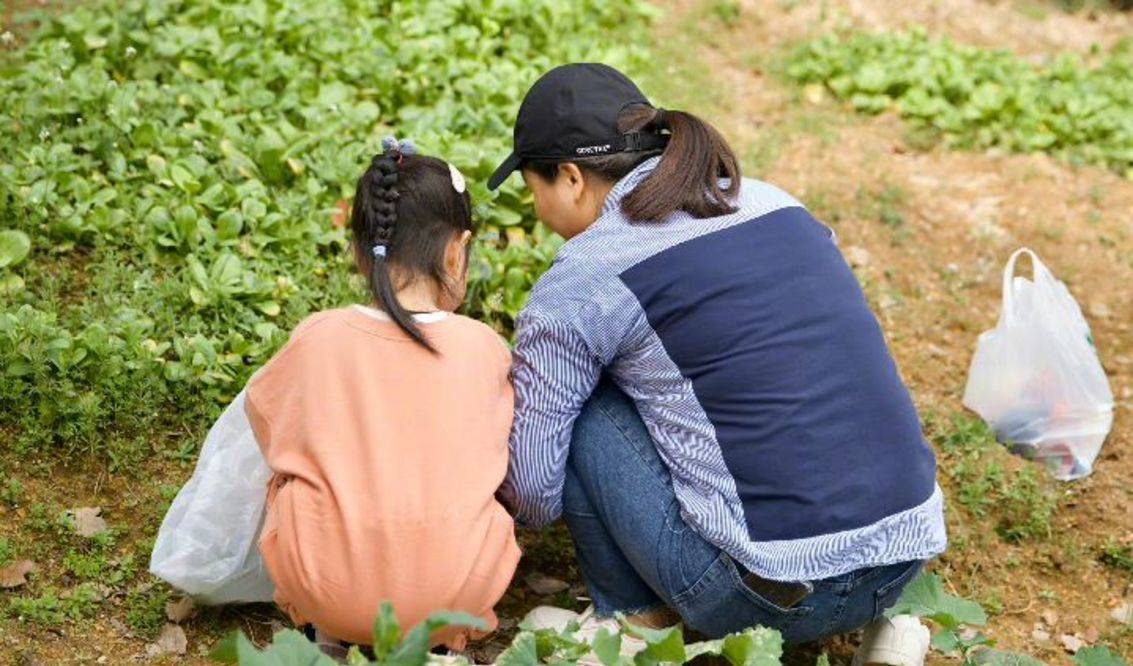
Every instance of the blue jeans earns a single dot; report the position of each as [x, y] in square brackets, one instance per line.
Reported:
[637, 553]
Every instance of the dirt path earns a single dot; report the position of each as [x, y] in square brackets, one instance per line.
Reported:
[928, 234]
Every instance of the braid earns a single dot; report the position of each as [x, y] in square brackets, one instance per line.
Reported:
[383, 197]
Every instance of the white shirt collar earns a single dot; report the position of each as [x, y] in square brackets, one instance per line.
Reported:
[420, 318]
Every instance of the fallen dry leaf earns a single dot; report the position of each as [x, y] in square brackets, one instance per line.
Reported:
[172, 640]
[180, 609]
[1123, 613]
[341, 214]
[545, 585]
[16, 573]
[1050, 617]
[1040, 635]
[1072, 643]
[87, 520]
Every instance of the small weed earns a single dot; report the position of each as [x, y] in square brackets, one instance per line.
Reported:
[819, 203]
[52, 607]
[726, 11]
[993, 603]
[7, 552]
[886, 206]
[12, 492]
[1027, 507]
[923, 139]
[145, 610]
[1116, 555]
[1021, 503]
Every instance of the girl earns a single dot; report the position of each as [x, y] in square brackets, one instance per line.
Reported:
[701, 389]
[386, 427]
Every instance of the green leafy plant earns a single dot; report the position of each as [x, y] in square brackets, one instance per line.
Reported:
[975, 98]
[530, 647]
[181, 169]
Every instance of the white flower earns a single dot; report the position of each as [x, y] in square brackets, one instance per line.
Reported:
[7, 37]
[44, 134]
[131, 52]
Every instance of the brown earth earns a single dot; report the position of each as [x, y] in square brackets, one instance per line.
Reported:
[933, 278]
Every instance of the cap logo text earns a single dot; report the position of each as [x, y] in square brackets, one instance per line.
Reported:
[593, 150]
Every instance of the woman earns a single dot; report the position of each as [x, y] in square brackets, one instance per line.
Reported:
[701, 390]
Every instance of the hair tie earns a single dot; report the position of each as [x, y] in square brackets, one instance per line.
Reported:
[661, 119]
[398, 148]
[379, 251]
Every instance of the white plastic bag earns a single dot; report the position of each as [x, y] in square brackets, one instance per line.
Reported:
[208, 543]
[1036, 378]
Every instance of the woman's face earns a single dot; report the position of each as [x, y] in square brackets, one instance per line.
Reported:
[570, 203]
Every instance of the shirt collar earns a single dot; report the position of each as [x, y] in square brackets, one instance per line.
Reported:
[627, 183]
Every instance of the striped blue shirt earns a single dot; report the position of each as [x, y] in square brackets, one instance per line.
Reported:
[752, 356]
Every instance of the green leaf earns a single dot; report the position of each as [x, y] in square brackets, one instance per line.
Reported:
[990, 657]
[754, 647]
[387, 632]
[661, 645]
[947, 641]
[14, 247]
[227, 650]
[607, 647]
[1098, 655]
[521, 652]
[925, 597]
[414, 650]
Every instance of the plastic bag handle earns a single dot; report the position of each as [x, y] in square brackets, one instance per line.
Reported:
[1037, 268]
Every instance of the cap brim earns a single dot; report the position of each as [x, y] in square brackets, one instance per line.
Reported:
[503, 171]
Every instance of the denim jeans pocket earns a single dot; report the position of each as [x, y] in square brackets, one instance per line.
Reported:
[799, 610]
[889, 592]
[720, 603]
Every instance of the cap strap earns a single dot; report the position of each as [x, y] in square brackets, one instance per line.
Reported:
[633, 142]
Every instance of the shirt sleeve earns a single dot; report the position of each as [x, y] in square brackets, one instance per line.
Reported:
[554, 372]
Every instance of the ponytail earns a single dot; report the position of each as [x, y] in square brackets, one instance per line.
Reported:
[382, 204]
[687, 178]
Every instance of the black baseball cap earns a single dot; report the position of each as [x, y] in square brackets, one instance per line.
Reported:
[571, 112]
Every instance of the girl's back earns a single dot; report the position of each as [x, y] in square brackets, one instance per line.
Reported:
[386, 458]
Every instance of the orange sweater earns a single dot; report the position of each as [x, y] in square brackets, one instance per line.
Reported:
[386, 460]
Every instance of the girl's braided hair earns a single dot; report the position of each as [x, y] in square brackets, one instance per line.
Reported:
[406, 210]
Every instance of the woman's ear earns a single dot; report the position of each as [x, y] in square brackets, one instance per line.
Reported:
[572, 178]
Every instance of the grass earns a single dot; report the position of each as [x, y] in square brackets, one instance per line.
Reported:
[991, 484]
[1115, 555]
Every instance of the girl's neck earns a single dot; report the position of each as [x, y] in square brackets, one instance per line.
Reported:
[418, 296]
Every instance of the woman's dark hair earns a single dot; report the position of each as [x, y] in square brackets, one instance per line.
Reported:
[406, 206]
[686, 179]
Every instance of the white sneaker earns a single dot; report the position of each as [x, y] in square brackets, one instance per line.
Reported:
[557, 619]
[898, 641]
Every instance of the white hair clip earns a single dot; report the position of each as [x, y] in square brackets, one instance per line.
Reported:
[379, 250]
[457, 178]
